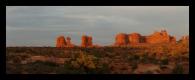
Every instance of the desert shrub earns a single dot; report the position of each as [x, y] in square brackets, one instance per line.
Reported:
[45, 63]
[164, 61]
[43, 67]
[81, 64]
[148, 72]
[69, 69]
[37, 67]
[15, 50]
[109, 49]
[144, 58]
[136, 57]
[90, 71]
[103, 70]
[51, 64]
[153, 60]
[64, 69]
[75, 64]
[134, 65]
[16, 59]
[85, 60]
[13, 69]
[130, 57]
[178, 69]
[96, 53]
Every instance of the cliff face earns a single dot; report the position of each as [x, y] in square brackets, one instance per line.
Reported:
[90, 43]
[121, 39]
[185, 39]
[60, 42]
[68, 41]
[86, 41]
[136, 38]
[159, 37]
[173, 39]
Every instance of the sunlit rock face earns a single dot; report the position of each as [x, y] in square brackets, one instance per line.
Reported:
[160, 37]
[86, 41]
[185, 39]
[121, 39]
[68, 41]
[60, 42]
[134, 38]
[173, 39]
[90, 43]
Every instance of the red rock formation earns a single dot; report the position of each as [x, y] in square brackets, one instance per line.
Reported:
[60, 42]
[86, 41]
[172, 39]
[68, 41]
[185, 39]
[121, 39]
[160, 37]
[90, 41]
[143, 39]
[134, 38]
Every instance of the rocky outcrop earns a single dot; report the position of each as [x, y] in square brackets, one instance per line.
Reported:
[185, 39]
[89, 41]
[121, 39]
[172, 39]
[86, 41]
[68, 41]
[136, 38]
[159, 37]
[60, 42]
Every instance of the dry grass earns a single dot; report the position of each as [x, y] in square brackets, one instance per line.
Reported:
[165, 58]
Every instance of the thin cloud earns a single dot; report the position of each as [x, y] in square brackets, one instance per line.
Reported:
[26, 25]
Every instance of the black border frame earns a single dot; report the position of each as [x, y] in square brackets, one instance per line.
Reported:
[88, 3]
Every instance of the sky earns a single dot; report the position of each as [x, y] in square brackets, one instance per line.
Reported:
[41, 25]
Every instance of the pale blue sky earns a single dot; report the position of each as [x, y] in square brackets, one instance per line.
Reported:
[40, 25]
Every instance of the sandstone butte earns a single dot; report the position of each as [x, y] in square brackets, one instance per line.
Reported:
[68, 41]
[135, 38]
[123, 39]
[86, 41]
[62, 42]
[160, 37]
[185, 39]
